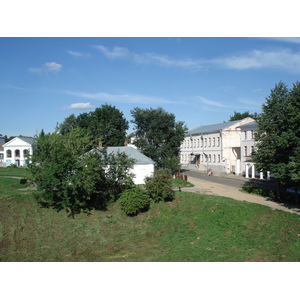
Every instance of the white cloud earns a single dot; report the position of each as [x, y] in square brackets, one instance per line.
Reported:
[116, 52]
[149, 58]
[120, 98]
[79, 54]
[212, 102]
[282, 59]
[79, 106]
[37, 71]
[52, 67]
[294, 40]
[47, 67]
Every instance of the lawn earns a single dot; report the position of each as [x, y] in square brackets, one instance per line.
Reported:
[194, 227]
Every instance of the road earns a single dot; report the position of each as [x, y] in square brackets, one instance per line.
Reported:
[230, 180]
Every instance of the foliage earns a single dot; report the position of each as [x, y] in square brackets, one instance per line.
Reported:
[159, 186]
[105, 123]
[259, 191]
[240, 116]
[134, 200]
[179, 183]
[278, 136]
[72, 178]
[193, 227]
[158, 135]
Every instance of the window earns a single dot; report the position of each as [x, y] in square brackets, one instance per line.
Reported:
[205, 142]
[198, 145]
[209, 142]
[8, 153]
[214, 158]
[252, 134]
[218, 145]
[219, 158]
[214, 142]
[245, 150]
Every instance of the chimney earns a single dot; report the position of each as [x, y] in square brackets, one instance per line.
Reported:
[100, 144]
[126, 143]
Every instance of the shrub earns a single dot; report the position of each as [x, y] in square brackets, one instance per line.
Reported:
[159, 187]
[134, 200]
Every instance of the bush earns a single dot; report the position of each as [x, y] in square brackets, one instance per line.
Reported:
[159, 187]
[134, 200]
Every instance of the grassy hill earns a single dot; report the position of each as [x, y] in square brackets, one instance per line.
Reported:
[193, 227]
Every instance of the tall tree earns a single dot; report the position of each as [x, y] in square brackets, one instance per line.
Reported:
[159, 135]
[105, 123]
[72, 178]
[278, 136]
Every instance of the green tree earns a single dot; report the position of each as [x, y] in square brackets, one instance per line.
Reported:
[240, 116]
[278, 136]
[105, 123]
[71, 177]
[158, 135]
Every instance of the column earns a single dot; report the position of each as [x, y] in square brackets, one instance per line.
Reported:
[261, 175]
[247, 170]
[253, 171]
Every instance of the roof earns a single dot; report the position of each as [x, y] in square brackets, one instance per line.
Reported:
[28, 140]
[248, 125]
[140, 158]
[211, 128]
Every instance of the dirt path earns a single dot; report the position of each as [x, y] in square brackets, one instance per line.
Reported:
[211, 188]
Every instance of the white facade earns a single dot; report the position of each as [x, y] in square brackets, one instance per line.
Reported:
[143, 167]
[17, 150]
[247, 148]
[215, 147]
[141, 172]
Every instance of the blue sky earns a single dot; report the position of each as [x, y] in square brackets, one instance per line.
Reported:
[201, 80]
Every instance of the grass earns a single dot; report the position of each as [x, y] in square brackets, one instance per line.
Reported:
[194, 227]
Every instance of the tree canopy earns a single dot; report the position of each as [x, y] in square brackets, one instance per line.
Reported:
[159, 135]
[105, 123]
[278, 136]
[240, 116]
[72, 178]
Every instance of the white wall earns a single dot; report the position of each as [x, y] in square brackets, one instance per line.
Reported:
[142, 171]
[21, 146]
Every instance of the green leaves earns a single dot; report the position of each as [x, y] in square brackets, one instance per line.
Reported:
[278, 137]
[158, 135]
[71, 177]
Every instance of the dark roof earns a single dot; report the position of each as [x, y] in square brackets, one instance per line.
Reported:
[251, 124]
[28, 140]
[140, 158]
[211, 128]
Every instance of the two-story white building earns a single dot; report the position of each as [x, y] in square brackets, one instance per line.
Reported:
[17, 150]
[215, 147]
[247, 165]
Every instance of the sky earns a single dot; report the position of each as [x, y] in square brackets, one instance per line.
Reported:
[201, 80]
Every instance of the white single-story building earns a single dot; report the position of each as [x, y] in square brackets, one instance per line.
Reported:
[143, 166]
[17, 150]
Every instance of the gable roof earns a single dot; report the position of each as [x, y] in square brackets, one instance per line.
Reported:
[140, 158]
[214, 127]
[249, 125]
[28, 140]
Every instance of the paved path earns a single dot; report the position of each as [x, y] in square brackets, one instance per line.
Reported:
[212, 188]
